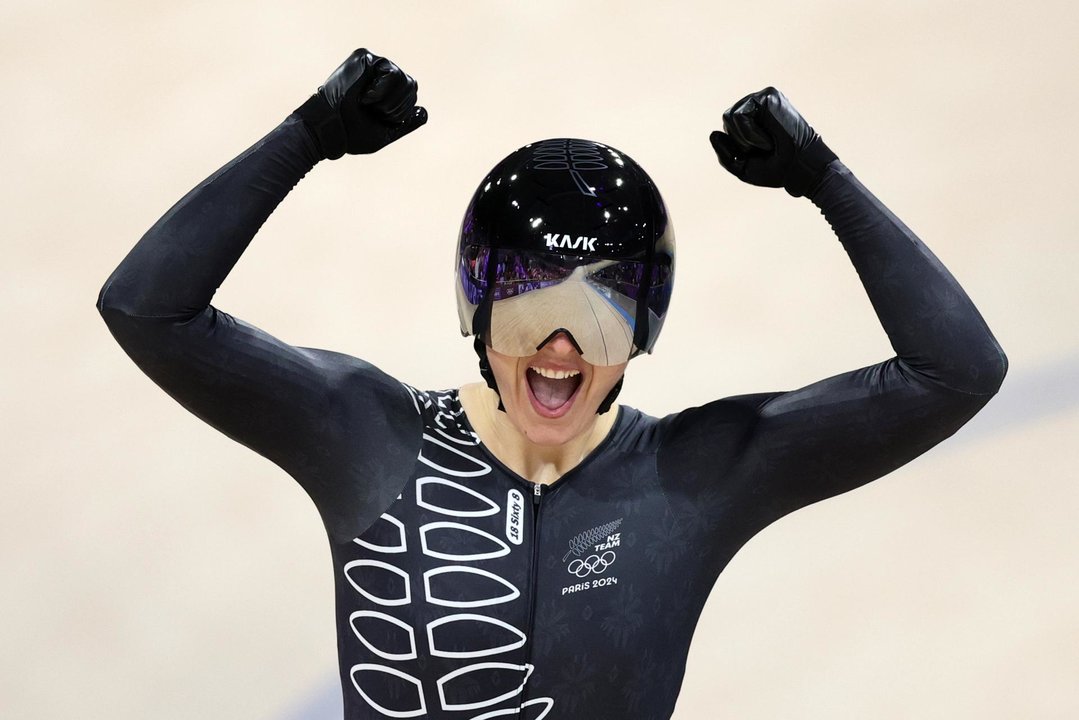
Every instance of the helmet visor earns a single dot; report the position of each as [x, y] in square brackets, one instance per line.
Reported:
[532, 296]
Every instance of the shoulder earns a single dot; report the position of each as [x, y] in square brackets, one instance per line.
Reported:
[350, 375]
[638, 430]
[732, 417]
[366, 400]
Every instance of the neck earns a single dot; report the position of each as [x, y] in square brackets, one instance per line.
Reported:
[538, 463]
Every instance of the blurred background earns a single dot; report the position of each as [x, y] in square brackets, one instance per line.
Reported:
[153, 568]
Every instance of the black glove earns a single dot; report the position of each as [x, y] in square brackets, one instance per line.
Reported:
[768, 143]
[366, 104]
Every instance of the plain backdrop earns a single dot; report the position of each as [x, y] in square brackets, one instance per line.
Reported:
[153, 568]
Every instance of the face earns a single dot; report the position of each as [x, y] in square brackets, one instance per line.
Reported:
[552, 397]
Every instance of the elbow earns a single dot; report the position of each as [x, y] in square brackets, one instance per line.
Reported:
[117, 319]
[1000, 369]
[104, 304]
[117, 304]
[973, 369]
[138, 334]
[100, 305]
[988, 375]
[111, 304]
[124, 295]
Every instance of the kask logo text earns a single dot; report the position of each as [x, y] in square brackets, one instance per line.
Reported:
[557, 241]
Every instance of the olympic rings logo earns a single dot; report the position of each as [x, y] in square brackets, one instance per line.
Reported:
[592, 564]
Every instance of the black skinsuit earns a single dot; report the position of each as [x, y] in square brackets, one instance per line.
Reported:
[466, 591]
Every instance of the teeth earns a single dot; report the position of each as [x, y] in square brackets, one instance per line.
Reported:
[555, 374]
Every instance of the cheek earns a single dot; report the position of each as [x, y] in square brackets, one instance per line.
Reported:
[504, 369]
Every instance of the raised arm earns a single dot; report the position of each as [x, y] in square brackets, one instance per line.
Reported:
[306, 410]
[790, 449]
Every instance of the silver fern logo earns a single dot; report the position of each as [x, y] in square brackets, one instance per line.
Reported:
[591, 538]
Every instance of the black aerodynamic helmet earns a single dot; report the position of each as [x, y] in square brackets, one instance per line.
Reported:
[566, 235]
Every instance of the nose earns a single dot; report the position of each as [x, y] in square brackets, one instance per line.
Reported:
[560, 342]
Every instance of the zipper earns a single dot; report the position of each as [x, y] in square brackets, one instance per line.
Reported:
[537, 494]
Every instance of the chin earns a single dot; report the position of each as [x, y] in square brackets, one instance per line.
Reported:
[552, 432]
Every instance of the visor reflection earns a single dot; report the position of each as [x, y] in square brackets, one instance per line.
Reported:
[533, 294]
[599, 319]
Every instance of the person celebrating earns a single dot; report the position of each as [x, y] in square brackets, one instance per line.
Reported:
[524, 546]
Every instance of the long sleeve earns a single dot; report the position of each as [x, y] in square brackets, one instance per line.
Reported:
[780, 451]
[345, 430]
[178, 265]
[930, 321]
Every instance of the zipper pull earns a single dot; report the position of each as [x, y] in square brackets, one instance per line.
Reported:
[537, 490]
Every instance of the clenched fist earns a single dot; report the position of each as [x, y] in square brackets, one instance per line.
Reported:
[768, 143]
[365, 104]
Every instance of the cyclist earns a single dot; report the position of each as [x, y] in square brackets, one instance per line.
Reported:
[525, 546]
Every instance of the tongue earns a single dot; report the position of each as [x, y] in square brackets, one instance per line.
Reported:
[552, 394]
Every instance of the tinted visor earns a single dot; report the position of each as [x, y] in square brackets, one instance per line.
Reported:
[525, 298]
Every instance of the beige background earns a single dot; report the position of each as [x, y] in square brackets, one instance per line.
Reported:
[152, 568]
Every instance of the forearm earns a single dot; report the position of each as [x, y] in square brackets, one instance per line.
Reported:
[177, 266]
[932, 324]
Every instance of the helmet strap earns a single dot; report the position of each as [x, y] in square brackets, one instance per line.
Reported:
[485, 369]
[609, 400]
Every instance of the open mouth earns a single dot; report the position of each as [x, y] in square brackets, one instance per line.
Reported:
[552, 392]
